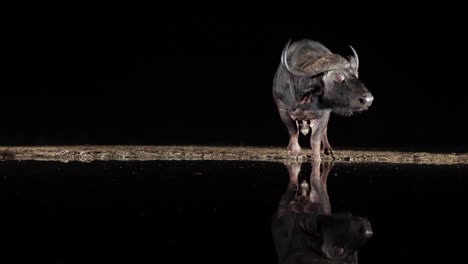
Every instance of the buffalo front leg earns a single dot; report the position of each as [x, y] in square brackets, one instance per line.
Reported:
[318, 182]
[316, 137]
[327, 166]
[293, 131]
[327, 149]
[293, 170]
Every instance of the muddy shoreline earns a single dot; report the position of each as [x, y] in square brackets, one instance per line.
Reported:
[126, 153]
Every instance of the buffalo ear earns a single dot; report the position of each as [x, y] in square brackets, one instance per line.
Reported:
[311, 92]
[310, 224]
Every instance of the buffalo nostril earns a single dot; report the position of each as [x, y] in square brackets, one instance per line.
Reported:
[366, 99]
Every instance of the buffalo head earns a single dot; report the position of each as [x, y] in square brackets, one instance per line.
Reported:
[330, 78]
[340, 236]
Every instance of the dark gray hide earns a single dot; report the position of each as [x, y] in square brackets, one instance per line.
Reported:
[309, 84]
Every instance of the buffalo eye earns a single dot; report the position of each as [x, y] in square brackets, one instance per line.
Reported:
[339, 77]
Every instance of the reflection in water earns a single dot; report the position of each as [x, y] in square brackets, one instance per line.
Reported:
[304, 228]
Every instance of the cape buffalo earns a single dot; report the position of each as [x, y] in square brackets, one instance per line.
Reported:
[305, 230]
[309, 84]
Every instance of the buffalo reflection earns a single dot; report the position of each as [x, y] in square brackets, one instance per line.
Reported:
[304, 229]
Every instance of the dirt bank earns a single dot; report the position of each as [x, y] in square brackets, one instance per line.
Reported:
[90, 153]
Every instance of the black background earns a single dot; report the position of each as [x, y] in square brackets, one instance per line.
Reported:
[187, 78]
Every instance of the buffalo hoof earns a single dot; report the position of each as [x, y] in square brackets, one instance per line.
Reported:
[315, 158]
[295, 149]
[329, 152]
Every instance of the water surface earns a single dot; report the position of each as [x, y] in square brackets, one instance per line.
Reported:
[218, 212]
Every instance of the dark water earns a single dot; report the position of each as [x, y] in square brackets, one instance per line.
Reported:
[218, 212]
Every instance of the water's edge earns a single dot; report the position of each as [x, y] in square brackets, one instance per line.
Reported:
[142, 153]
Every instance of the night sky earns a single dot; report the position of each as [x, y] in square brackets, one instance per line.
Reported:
[208, 81]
